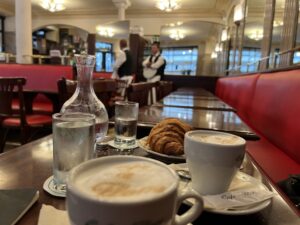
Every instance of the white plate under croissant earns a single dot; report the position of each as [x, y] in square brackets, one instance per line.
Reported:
[143, 145]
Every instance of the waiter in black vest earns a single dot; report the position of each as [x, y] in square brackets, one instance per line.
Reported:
[156, 63]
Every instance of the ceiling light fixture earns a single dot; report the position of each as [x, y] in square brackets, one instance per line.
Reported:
[177, 34]
[277, 23]
[214, 55]
[105, 31]
[53, 5]
[219, 47]
[168, 5]
[224, 35]
[238, 14]
[174, 24]
[257, 35]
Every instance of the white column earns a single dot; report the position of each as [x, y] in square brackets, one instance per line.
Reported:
[122, 5]
[23, 31]
[121, 12]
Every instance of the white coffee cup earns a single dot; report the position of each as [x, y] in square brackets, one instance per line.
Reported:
[213, 158]
[126, 190]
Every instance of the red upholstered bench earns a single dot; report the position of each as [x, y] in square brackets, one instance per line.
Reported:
[41, 104]
[269, 104]
[40, 78]
[102, 75]
[238, 92]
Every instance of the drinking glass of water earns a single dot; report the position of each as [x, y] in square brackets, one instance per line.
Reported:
[73, 143]
[126, 115]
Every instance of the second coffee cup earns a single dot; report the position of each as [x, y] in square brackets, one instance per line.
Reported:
[213, 158]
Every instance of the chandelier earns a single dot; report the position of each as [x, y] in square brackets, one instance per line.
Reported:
[53, 5]
[105, 31]
[257, 35]
[168, 5]
[177, 34]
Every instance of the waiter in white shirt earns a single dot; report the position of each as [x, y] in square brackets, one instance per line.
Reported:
[122, 68]
[154, 65]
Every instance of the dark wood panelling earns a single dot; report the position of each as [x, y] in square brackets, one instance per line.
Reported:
[91, 40]
[206, 82]
[137, 45]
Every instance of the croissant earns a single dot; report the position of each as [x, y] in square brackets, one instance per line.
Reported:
[167, 136]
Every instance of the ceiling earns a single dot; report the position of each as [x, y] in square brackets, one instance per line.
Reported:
[194, 30]
[108, 7]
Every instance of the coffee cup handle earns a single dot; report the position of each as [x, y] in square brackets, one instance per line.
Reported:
[193, 212]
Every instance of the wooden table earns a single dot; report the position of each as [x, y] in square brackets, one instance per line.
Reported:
[30, 165]
[193, 91]
[194, 103]
[199, 119]
[189, 96]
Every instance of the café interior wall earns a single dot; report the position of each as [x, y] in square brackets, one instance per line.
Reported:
[205, 60]
[151, 25]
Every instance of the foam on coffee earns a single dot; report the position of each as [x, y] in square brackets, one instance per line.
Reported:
[126, 181]
[220, 139]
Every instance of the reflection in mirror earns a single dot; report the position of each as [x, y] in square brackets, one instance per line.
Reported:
[276, 35]
[236, 23]
[253, 35]
[107, 44]
[191, 48]
[232, 35]
[296, 58]
[57, 44]
[252, 46]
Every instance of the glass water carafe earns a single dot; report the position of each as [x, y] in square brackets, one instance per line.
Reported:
[84, 98]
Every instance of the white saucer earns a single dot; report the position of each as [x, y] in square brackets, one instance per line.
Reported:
[50, 188]
[142, 145]
[122, 147]
[249, 209]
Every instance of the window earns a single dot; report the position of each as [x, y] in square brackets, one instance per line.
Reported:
[296, 58]
[104, 57]
[249, 57]
[181, 60]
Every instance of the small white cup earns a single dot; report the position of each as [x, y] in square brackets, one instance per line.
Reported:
[212, 164]
[84, 208]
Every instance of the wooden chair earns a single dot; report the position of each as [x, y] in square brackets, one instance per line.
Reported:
[140, 92]
[105, 90]
[163, 88]
[9, 87]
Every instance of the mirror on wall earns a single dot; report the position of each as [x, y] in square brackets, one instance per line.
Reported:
[188, 47]
[236, 24]
[107, 43]
[296, 57]
[276, 34]
[56, 44]
[231, 43]
[253, 35]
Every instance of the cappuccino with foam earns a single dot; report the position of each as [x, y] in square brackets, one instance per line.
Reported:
[126, 181]
[217, 138]
[126, 190]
